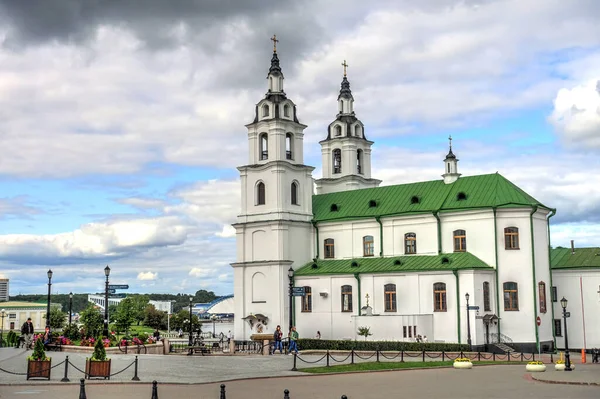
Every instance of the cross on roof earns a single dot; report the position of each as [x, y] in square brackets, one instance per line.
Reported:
[345, 65]
[450, 140]
[275, 40]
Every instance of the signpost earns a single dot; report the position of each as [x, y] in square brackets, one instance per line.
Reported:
[118, 286]
[473, 307]
[112, 291]
[568, 314]
[298, 291]
[539, 321]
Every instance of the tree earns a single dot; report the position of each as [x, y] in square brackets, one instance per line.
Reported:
[155, 318]
[57, 318]
[364, 332]
[139, 306]
[181, 320]
[125, 315]
[92, 321]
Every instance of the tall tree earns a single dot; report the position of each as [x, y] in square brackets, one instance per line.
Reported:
[92, 321]
[155, 318]
[57, 318]
[125, 315]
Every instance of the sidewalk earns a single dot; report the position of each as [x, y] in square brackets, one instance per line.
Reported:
[582, 374]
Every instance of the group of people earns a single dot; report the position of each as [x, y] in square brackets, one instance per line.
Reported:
[278, 341]
[418, 338]
[27, 334]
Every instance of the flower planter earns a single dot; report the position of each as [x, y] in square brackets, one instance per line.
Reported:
[535, 368]
[462, 365]
[562, 366]
[95, 369]
[39, 368]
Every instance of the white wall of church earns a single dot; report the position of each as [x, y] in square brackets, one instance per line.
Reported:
[479, 229]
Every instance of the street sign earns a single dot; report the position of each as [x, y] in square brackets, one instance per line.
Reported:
[118, 286]
[538, 321]
[567, 314]
[111, 291]
[473, 307]
[298, 291]
[118, 296]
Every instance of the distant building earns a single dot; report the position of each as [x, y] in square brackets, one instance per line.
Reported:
[3, 290]
[18, 312]
[98, 300]
[221, 307]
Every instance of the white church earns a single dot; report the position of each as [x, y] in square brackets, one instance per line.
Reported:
[403, 259]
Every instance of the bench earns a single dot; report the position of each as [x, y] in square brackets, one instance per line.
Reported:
[198, 349]
[55, 345]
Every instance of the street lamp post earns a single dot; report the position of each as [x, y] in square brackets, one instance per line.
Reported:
[48, 304]
[191, 327]
[2, 315]
[214, 320]
[106, 273]
[70, 307]
[468, 323]
[563, 303]
[291, 278]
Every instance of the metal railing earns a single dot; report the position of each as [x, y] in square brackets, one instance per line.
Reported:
[496, 338]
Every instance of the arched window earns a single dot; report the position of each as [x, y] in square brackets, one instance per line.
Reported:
[259, 286]
[542, 295]
[289, 145]
[511, 296]
[286, 110]
[270, 84]
[265, 110]
[329, 249]
[294, 193]
[263, 142]
[359, 161]
[338, 130]
[486, 297]
[368, 246]
[439, 297]
[357, 130]
[346, 298]
[389, 297]
[460, 240]
[410, 243]
[511, 238]
[260, 193]
[307, 300]
[337, 161]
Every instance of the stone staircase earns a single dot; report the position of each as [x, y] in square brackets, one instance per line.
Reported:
[501, 344]
[504, 347]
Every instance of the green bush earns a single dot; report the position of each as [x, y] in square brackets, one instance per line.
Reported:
[72, 332]
[323, 344]
[99, 354]
[11, 338]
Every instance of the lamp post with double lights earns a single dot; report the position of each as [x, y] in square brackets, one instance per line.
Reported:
[2, 316]
[291, 278]
[191, 327]
[468, 323]
[563, 303]
[48, 304]
[106, 273]
[70, 307]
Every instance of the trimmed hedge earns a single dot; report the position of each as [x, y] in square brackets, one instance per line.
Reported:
[324, 344]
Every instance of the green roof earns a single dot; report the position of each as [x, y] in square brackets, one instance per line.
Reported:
[562, 258]
[410, 263]
[470, 192]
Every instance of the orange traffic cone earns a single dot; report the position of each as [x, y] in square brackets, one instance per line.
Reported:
[583, 357]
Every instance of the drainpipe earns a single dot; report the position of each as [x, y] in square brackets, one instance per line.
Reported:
[357, 277]
[535, 313]
[378, 218]
[455, 272]
[497, 280]
[439, 231]
[552, 213]
[317, 239]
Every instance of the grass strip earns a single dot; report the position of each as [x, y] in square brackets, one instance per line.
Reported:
[374, 366]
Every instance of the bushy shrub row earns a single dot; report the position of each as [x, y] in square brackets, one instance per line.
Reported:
[324, 344]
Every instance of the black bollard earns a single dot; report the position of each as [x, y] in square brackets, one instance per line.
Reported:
[82, 389]
[294, 368]
[135, 376]
[344, 397]
[66, 378]
[154, 390]
[222, 392]
[286, 394]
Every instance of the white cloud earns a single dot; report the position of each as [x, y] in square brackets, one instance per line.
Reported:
[576, 114]
[228, 232]
[146, 276]
[201, 273]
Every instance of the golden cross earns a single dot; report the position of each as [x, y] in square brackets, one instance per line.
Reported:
[274, 39]
[345, 66]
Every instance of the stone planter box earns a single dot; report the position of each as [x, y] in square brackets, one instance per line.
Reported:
[95, 369]
[39, 369]
[535, 368]
[151, 349]
[562, 366]
[462, 365]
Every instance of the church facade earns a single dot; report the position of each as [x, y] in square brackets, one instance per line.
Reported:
[459, 259]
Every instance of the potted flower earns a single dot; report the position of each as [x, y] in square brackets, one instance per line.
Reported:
[535, 366]
[38, 364]
[98, 365]
[462, 363]
[560, 365]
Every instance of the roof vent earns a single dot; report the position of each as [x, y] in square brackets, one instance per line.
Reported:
[397, 262]
[461, 196]
[415, 200]
[372, 204]
[445, 260]
[334, 208]
[314, 266]
[354, 264]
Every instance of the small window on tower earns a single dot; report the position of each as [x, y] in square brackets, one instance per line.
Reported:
[357, 130]
[263, 142]
[359, 161]
[338, 130]
[286, 110]
[294, 193]
[289, 144]
[337, 161]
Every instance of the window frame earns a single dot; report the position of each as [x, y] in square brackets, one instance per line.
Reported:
[306, 303]
[487, 305]
[289, 146]
[263, 144]
[261, 193]
[336, 155]
[338, 130]
[460, 238]
[389, 298]
[542, 297]
[558, 331]
[265, 110]
[368, 246]
[507, 288]
[294, 193]
[346, 297]
[329, 248]
[554, 293]
[359, 161]
[286, 110]
[511, 238]
[440, 297]
[410, 244]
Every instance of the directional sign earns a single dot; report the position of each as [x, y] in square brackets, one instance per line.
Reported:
[298, 291]
[567, 314]
[538, 321]
[118, 296]
[473, 307]
[111, 291]
[118, 286]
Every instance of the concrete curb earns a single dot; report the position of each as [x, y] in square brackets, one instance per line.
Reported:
[597, 384]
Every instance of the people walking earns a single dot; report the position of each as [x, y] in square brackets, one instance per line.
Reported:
[27, 332]
[277, 336]
[318, 335]
[293, 340]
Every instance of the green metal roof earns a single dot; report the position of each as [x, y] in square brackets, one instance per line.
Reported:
[483, 191]
[410, 263]
[562, 258]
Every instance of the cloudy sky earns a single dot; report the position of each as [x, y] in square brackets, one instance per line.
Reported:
[121, 125]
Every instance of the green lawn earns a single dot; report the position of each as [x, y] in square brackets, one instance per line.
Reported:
[344, 368]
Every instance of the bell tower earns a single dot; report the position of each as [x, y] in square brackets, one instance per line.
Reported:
[346, 152]
[450, 165]
[273, 229]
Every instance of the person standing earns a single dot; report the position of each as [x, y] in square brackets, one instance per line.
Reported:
[318, 335]
[277, 336]
[229, 337]
[294, 340]
[27, 332]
